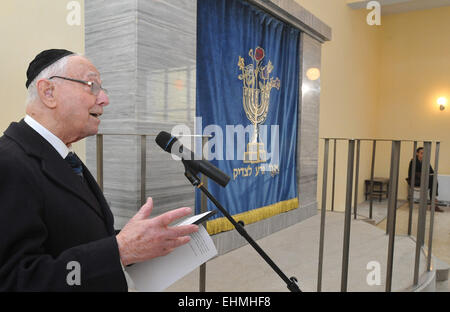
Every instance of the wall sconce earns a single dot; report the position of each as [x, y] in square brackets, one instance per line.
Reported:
[442, 102]
[313, 73]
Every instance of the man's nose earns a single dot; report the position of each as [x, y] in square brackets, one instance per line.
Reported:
[102, 98]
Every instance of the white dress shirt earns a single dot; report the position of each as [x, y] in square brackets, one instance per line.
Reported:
[56, 142]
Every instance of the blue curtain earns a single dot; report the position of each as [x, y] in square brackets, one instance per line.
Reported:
[233, 39]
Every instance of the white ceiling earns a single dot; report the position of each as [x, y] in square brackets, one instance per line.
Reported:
[400, 6]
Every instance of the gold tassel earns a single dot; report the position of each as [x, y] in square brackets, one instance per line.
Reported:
[223, 224]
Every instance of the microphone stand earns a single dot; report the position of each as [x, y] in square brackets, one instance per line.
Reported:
[191, 175]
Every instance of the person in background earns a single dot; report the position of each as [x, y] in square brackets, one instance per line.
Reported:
[418, 171]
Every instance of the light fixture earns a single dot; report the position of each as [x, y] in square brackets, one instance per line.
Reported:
[313, 73]
[442, 102]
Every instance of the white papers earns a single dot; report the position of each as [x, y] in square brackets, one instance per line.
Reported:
[197, 219]
[159, 273]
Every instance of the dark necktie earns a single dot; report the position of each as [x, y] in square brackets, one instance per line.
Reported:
[75, 163]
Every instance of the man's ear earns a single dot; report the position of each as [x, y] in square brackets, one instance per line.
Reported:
[46, 89]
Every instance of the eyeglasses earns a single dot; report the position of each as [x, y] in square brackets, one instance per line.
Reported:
[95, 87]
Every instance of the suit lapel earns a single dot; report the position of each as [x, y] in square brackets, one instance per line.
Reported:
[106, 211]
[60, 172]
[52, 164]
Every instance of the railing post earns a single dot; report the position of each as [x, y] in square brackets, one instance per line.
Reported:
[372, 170]
[348, 214]
[143, 168]
[424, 177]
[323, 213]
[203, 208]
[388, 217]
[411, 188]
[433, 198]
[99, 147]
[334, 175]
[392, 207]
[355, 203]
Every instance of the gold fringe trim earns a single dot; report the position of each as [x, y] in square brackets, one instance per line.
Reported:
[223, 224]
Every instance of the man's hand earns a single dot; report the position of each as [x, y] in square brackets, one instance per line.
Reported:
[143, 239]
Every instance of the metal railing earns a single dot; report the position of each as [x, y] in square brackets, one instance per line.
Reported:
[143, 172]
[143, 158]
[353, 177]
[353, 166]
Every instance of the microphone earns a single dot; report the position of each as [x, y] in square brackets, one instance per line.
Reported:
[171, 145]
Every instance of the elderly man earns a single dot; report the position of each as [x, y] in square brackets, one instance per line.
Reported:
[54, 218]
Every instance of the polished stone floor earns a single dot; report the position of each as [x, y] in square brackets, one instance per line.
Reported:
[295, 251]
[441, 234]
[441, 229]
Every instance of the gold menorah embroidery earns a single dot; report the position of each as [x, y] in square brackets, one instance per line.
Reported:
[257, 85]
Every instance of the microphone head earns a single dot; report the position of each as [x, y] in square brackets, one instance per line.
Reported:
[165, 140]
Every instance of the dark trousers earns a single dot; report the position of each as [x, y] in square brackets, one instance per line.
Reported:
[430, 186]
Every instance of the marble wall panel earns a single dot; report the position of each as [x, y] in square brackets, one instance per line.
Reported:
[309, 120]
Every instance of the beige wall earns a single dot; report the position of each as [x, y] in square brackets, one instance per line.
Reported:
[26, 28]
[383, 81]
[415, 71]
[349, 87]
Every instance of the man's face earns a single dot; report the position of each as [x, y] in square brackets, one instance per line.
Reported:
[77, 105]
[420, 155]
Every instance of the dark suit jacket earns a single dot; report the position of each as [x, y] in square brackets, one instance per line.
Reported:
[418, 173]
[49, 217]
